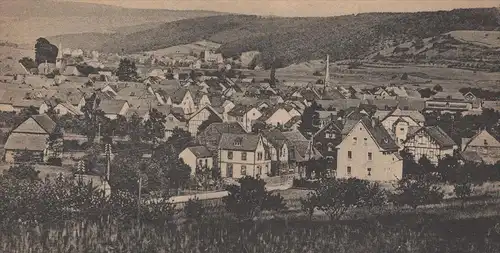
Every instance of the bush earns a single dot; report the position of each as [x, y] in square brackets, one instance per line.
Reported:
[417, 191]
[194, 209]
[250, 198]
[336, 196]
[54, 161]
[304, 183]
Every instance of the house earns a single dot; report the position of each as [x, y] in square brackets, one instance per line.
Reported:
[243, 155]
[483, 145]
[294, 123]
[398, 122]
[431, 142]
[66, 108]
[277, 144]
[245, 115]
[327, 138]
[112, 108]
[71, 71]
[182, 98]
[197, 157]
[211, 56]
[210, 136]
[277, 116]
[197, 118]
[368, 152]
[30, 136]
[448, 102]
[175, 118]
[300, 150]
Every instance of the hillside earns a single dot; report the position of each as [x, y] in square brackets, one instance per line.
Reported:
[464, 49]
[23, 21]
[296, 40]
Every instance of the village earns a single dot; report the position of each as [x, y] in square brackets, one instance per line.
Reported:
[238, 124]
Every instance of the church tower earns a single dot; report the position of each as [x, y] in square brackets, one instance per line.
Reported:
[59, 59]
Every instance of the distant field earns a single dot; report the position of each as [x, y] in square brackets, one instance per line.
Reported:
[481, 38]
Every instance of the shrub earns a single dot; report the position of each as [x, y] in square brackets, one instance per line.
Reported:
[194, 209]
[417, 191]
[250, 198]
[54, 161]
[336, 196]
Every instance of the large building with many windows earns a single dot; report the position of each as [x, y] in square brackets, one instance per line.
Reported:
[242, 155]
[368, 152]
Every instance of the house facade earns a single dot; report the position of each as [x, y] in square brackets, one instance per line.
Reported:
[243, 155]
[30, 137]
[198, 157]
[327, 139]
[485, 145]
[368, 152]
[210, 136]
[199, 117]
[244, 115]
[431, 142]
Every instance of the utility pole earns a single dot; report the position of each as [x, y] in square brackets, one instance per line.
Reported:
[108, 160]
[99, 133]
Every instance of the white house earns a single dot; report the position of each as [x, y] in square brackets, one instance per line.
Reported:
[368, 152]
[245, 115]
[197, 157]
[243, 155]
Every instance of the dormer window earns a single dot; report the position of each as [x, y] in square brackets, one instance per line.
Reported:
[237, 141]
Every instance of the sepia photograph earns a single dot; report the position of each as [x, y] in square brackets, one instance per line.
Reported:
[252, 126]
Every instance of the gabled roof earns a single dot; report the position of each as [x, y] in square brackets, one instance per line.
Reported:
[332, 94]
[111, 106]
[378, 133]
[179, 95]
[415, 115]
[23, 141]
[227, 127]
[333, 124]
[200, 151]
[12, 67]
[491, 141]
[208, 107]
[294, 120]
[248, 142]
[275, 137]
[294, 136]
[239, 110]
[448, 96]
[437, 134]
[45, 122]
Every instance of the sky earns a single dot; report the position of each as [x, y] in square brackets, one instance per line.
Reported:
[301, 7]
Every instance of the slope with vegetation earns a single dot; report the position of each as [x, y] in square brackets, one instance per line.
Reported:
[294, 40]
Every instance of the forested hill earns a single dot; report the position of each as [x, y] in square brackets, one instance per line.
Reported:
[300, 39]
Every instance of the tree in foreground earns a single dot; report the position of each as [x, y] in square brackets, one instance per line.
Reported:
[463, 189]
[417, 191]
[194, 209]
[248, 199]
[336, 196]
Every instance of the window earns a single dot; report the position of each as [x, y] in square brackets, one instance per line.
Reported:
[402, 129]
[230, 155]
[348, 170]
[206, 162]
[330, 147]
[354, 140]
[370, 156]
[349, 154]
[369, 171]
[243, 156]
[259, 170]
[237, 141]
[243, 170]
[485, 142]
[229, 170]
[259, 156]
[365, 141]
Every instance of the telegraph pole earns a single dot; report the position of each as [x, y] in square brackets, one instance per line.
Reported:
[108, 160]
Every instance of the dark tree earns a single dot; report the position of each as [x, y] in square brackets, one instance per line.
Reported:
[127, 71]
[426, 93]
[437, 88]
[250, 198]
[28, 63]
[417, 191]
[45, 52]
[154, 126]
[309, 120]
